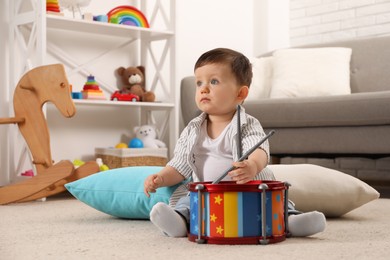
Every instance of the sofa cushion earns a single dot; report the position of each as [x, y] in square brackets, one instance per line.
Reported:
[364, 76]
[326, 190]
[307, 72]
[120, 192]
[262, 78]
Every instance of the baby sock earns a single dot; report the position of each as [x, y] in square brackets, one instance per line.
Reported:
[306, 224]
[168, 220]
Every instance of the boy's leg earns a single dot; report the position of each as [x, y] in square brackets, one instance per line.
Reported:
[305, 224]
[172, 222]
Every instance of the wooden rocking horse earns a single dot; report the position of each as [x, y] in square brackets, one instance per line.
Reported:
[35, 88]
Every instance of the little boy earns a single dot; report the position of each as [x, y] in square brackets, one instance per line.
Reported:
[208, 145]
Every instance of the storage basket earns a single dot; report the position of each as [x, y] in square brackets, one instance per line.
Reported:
[124, 157]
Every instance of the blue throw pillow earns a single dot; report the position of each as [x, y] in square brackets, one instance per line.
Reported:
[119, 192]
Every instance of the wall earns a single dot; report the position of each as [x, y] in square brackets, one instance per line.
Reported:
[271, 21]
[199, 29]
[318, 21]
[251, 28]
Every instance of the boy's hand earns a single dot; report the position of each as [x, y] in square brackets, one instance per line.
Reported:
[245, 171]
[152, 182]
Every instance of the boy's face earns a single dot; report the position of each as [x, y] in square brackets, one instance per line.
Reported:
[217, 90]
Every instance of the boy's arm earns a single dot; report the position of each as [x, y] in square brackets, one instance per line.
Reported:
[260, 159]
[168, 176]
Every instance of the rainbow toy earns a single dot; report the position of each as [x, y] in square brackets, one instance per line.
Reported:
[127, 15]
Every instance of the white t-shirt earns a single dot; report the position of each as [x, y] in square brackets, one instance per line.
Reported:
[213, 156]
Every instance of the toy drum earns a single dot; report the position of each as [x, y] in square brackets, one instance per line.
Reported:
[230, 213]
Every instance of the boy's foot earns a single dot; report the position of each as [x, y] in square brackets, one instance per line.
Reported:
[306, 224]
[168, 220]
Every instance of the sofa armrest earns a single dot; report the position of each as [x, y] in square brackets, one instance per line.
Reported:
[187, 99]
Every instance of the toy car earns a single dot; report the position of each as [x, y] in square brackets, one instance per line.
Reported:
[119, 96]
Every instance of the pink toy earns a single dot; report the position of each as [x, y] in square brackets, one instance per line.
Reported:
[29, 173]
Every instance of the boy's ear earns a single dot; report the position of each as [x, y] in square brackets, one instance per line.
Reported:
[243, 93]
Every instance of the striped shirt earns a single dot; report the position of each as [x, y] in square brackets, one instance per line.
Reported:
[184, 160]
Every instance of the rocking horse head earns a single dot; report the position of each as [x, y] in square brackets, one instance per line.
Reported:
[49, 83]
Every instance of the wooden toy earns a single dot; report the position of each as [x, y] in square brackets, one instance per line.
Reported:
[127, 15]
[91, 90]
[53, 7]
[77, 95]
[35, 88]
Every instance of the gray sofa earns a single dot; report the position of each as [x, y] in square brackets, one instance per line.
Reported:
[353, 125]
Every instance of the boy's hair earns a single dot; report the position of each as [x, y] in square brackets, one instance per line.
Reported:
[239, 63]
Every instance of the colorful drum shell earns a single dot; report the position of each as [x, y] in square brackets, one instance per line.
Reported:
[232, 213]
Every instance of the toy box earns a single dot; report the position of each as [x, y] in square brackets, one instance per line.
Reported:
[117, 158]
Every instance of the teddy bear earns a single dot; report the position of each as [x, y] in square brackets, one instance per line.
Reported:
[148, 135]
[133, 79]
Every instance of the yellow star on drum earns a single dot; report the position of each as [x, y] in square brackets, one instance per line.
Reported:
[213, 218]
[218, 200]
[219, 230]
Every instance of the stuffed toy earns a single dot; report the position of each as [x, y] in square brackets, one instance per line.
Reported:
[133, 79]
[148, 135]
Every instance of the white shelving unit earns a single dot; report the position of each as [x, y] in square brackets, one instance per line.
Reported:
[159, 63]
[26, 48]
[109, 29]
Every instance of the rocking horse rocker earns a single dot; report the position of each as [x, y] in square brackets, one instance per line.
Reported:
[35, 88]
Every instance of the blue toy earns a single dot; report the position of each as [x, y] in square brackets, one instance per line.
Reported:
[77, 95]
[136, 143]
[101, 18]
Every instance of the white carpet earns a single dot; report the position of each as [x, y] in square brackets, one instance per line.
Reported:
[64, 228]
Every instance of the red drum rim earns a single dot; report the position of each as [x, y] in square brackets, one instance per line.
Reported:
[224, 186]
[238, 240]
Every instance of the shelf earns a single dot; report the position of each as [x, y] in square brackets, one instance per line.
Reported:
[152, 105]
[101, 28]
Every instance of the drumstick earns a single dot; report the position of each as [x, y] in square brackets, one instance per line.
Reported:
[239, 145]
[249, 152]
